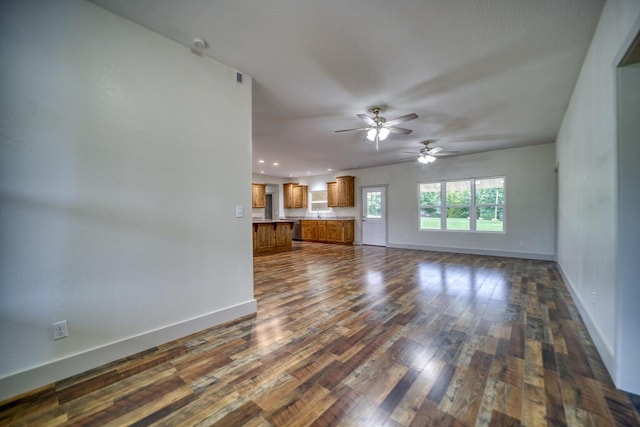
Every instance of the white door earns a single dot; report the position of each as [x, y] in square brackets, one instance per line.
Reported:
[374, 223]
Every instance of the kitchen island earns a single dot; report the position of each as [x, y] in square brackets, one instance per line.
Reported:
[271, 236]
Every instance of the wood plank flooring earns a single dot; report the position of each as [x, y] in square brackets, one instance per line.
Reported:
[362, 336]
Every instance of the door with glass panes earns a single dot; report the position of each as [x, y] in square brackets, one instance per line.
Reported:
[374, 223]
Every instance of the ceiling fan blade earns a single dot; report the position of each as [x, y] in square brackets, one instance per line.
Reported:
[400, 130]
[401, 119]
[348, 130]
[368, 120]
[435, 150]
[445, 153]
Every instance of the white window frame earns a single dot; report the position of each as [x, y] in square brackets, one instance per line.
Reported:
[472, 206]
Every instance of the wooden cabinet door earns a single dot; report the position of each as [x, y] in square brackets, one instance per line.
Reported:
[309, 230]
[332, 231]
[349, 232]
[332, 194]
[300, 196]
[265, 237]
[283, 235]
[346, 191]
[322, 230]
[258, 196]
[287, 193]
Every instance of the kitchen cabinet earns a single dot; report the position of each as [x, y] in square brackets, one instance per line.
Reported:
[309, 230]
[341, 192]
[287, 194]
[322, 230]
[328, 231]
[335, 231]
[300, 196]
[258, 195]
[346, 190]
[295, 196]
[332, 194]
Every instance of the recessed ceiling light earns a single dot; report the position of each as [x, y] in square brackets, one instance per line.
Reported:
[308, 173]
[260, 161]
[329, 170]
[261, 171]
[275, 163]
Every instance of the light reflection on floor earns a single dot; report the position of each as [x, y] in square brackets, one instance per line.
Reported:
[374, 281]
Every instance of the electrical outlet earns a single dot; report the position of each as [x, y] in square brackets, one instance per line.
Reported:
[60, 330]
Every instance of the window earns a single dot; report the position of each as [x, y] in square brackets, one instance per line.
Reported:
[430, 206]
[469, 205]
[458, 205]
[374, 204]
[319, 201]
[490, 204]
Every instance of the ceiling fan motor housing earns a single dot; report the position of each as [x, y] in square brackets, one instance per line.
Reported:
[377, 118]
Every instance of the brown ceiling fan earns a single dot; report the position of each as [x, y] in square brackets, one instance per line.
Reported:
[379, 128]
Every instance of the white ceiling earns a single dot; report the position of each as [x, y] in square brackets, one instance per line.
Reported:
[481, 74]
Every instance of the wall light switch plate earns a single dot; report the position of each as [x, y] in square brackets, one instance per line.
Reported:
[239, 212]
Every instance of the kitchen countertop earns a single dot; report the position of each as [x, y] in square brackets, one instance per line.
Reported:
[333, 218]
[271, 221]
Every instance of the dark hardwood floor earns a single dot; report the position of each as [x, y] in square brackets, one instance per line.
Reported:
[362, 336]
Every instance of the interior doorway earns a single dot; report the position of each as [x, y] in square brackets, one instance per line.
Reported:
[628, 231]
[268, 207]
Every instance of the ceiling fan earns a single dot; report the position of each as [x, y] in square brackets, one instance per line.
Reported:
[428, 154]
[379, 128]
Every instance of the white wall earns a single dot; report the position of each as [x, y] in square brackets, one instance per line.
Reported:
[530, 201]
[628, 245]
[588, 206]
[122, 158]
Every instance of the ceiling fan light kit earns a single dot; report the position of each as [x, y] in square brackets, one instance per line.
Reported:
[425, 159]
[379, 128]
[381, 133]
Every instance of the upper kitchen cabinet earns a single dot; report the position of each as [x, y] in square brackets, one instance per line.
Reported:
[332, 194]
[287, 193]
[295, 196]
[341, 192]
[300, 196]
[258, 195]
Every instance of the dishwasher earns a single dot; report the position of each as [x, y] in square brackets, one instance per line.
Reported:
[296, 232]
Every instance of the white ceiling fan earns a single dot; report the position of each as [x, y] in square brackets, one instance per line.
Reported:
[429, 154]
[379, 128]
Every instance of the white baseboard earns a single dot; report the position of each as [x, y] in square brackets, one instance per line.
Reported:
[490, 252]
[57, 370]
[606, 352]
